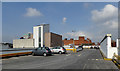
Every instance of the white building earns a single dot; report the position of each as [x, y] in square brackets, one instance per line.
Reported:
[38, 34]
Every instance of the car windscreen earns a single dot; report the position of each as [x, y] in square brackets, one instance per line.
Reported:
[63, 48]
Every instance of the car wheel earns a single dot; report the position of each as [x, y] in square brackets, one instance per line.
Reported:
[91, 47]
[44, 54]
[33, 54]
[60, 52]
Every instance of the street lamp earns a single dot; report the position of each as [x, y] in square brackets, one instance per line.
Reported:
[73, 42]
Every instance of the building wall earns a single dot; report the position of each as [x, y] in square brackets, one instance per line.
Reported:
[47, 39]
[80, 41]
[39, 33]
[23, 43]
[56, 40]
[45, 30]
[52, 40]
[36, 36]
[67, 42]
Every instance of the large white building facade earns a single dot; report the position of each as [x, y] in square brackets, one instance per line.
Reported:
[39, 33]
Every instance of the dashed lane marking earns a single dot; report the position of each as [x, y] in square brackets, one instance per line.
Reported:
[66, 55]
[84, 66]
[95, 59]
[79, 55]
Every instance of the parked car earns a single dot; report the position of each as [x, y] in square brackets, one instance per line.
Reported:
[59, 50]
[96, 47]
[42, 51]
[91, 47]
[79, 48]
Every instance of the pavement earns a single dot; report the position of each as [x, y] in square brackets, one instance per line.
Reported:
[85, 59]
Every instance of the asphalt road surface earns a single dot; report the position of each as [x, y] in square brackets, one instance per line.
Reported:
[86, 59]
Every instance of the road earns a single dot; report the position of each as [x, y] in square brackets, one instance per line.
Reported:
[86, 59]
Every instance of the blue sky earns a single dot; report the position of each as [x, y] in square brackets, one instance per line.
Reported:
[63, 17]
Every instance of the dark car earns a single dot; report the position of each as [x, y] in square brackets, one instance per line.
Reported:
[80, 48]
[42, 51]
[96, 47]
[91, 47]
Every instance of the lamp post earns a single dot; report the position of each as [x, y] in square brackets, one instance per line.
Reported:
[73, 43]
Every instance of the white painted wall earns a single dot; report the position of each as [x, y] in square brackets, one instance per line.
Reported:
[36, 36]
[23, 43]
[111, 52]
[44, 28]
[107, 49]
[103, 47]
[42, 36]
[118, 45]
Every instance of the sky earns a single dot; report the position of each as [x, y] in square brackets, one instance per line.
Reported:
[90, 19]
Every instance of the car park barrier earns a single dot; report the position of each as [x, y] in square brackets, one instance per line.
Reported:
[116, 60]
[9, 54]
[71, 49]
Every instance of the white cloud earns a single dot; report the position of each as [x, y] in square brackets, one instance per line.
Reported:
[32, 12]
[64, 20]
[105, 22]
[77, 34]
[106, 16]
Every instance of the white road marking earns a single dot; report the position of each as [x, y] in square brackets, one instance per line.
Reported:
[79, 55]
[95, 59]
[67, 55]
[84, 66]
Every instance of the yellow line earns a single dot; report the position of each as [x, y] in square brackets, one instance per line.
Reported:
[13, 54]
[69, 49]
[107, 59]
[74, 50]
[104, 56]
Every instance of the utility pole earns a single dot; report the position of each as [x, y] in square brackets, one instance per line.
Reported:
[73, 42]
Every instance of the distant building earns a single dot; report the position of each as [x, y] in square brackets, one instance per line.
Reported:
[41, 37]
[80, 41]
[38, 34]
[23, 43]
[52, 39]
[6, 45]
[28, 36]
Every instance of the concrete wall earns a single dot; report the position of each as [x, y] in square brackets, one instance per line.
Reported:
[36, 36]
[39, 33]
[52, 40]
[118, 45]
[23, 43]
[47, 40]
[80, 41]
[103, 47]
[106, 47]
[45, 30]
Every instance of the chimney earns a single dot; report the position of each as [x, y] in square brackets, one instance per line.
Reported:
[71, 39]
[81, 38]
[65, 39]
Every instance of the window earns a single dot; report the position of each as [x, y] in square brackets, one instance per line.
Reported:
[58, 47]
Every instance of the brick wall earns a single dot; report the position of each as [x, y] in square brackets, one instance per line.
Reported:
[80, 41]
[52, 40]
